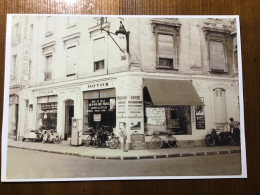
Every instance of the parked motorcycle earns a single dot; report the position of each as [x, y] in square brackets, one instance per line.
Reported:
[51, 136]
[219, 136]
[33, 135]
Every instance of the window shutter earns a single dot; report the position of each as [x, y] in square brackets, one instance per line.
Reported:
[71, 60]
[99, 49]
[165, 46]
[48, 73]
[50, 24]
[217, 55]
[220, 106]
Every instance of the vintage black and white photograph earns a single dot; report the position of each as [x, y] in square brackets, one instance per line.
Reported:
[122, 97]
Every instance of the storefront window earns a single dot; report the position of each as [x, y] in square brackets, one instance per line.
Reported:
[176, 119]
[47, 112]
[99, 110]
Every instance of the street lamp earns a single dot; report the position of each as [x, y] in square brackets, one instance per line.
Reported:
[121, 31]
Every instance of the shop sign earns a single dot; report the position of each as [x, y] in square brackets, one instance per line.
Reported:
[200, 122]
[135, 107]
[49, 106]
[200, 117]
[46, 92]
[101, 105]
[26, 63]
[138, 141]
[121, 102]
[99, 85]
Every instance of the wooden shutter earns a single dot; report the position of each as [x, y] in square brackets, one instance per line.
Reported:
[220, 106]
[48, 72]
[99, 49]
[71, 60]
[217, 55]
[165, 46]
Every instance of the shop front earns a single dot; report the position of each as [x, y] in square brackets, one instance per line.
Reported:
[13, 116]
[99, 109]
[47, 112]
[168, 106]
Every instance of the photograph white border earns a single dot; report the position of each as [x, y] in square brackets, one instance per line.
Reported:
[6, 107]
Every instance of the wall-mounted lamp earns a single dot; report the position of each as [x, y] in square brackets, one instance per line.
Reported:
[121, 30]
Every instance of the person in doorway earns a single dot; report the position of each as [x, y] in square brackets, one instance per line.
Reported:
[234, 127]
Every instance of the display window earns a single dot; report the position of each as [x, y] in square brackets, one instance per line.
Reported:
[99, 110]
[175, 119]
[47, 112]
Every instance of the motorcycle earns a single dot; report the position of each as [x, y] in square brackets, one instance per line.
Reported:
[219, 136]
[33, 135]
[51, 136]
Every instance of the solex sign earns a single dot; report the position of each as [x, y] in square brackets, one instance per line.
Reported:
[99, 85]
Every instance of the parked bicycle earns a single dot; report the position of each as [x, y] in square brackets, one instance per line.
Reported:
[157, 141]
[102, 138]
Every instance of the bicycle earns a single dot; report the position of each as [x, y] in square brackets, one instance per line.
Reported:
[101, 138]
[157, 142]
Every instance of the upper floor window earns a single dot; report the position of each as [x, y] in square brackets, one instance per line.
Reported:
[72, 21]
[71, 60]
[31, 32]
[50, 25]
[217, 57]
[13, 66]
[165, 50]
[99, 54]
[16, 33]
[48, 67]
[217, 35]
[167, 39]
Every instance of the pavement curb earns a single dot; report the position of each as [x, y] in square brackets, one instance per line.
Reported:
[155, 156]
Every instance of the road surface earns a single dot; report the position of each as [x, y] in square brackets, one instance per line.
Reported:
[27, 164]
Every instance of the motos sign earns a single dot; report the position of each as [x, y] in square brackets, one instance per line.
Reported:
[98, 85]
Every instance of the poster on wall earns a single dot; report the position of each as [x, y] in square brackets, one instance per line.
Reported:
[200, 117]
[115, 94]
[156, 119]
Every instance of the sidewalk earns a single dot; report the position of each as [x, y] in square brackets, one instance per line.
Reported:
[106, 153]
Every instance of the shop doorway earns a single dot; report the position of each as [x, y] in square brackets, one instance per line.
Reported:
[69, 114]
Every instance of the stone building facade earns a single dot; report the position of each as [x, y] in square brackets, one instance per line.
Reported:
[177, 75]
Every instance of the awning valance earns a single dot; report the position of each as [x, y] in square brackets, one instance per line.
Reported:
[172, 92]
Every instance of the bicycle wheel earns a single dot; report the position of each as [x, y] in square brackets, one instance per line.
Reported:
[156, 142]
[57, 139]
[113, 143]
[90, 140]
[171, 141]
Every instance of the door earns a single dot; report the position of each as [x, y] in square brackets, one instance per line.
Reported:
[69, 114]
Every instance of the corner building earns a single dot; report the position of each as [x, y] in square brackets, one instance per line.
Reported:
[177, 75]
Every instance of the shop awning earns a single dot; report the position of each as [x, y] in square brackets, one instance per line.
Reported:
[172, 92]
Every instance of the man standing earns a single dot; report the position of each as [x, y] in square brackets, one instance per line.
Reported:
[234, 127]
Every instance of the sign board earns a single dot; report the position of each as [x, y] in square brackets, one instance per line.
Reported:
[200, 122]
[97, 117]
[101, 105]
[200, 117]
[138, 141]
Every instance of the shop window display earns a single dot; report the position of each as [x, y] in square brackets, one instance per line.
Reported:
[98, 111]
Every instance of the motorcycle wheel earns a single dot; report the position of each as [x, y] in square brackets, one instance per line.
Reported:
[210, 141]
[57, 139]
[230, 140]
